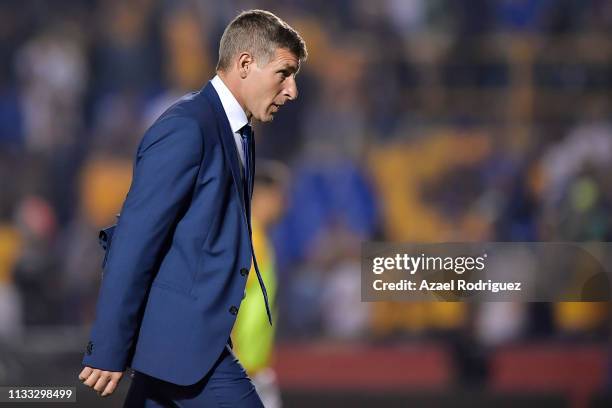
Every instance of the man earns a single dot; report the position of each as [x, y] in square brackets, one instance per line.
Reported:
[181, 252]
[253, 336]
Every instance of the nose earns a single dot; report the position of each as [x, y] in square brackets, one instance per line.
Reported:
[291, 91]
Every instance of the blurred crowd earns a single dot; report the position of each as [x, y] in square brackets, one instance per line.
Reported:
[417, 121]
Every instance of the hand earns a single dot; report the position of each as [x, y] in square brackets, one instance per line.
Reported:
[105, 382]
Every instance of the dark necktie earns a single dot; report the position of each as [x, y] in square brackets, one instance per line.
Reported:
[248, 147]
[247, 176]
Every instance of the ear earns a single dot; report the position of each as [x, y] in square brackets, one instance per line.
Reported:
[245, 60]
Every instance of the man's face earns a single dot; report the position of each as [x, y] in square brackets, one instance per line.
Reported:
[269, 87]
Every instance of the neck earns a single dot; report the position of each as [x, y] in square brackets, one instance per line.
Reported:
[233, 84]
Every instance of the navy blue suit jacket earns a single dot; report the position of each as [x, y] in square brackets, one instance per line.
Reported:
[180, 255]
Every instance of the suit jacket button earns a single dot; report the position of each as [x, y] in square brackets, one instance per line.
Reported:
[233, 310]
[89, 348]
[244, 271]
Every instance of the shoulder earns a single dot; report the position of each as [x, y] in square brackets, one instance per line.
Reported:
[192, 116]
[173, 130]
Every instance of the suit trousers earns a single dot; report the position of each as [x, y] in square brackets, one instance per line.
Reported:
[225, 385]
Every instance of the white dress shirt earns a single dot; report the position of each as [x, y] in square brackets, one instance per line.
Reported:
[236, 116]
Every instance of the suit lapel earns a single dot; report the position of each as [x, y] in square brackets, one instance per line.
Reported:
[227, 139]
[252, 150]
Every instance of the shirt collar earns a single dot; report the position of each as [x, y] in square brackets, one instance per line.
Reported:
[234, 112]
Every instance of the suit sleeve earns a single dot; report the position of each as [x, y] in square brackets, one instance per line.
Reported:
[164, 175]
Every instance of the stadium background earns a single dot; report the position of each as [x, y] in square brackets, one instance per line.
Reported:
[417, 120]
